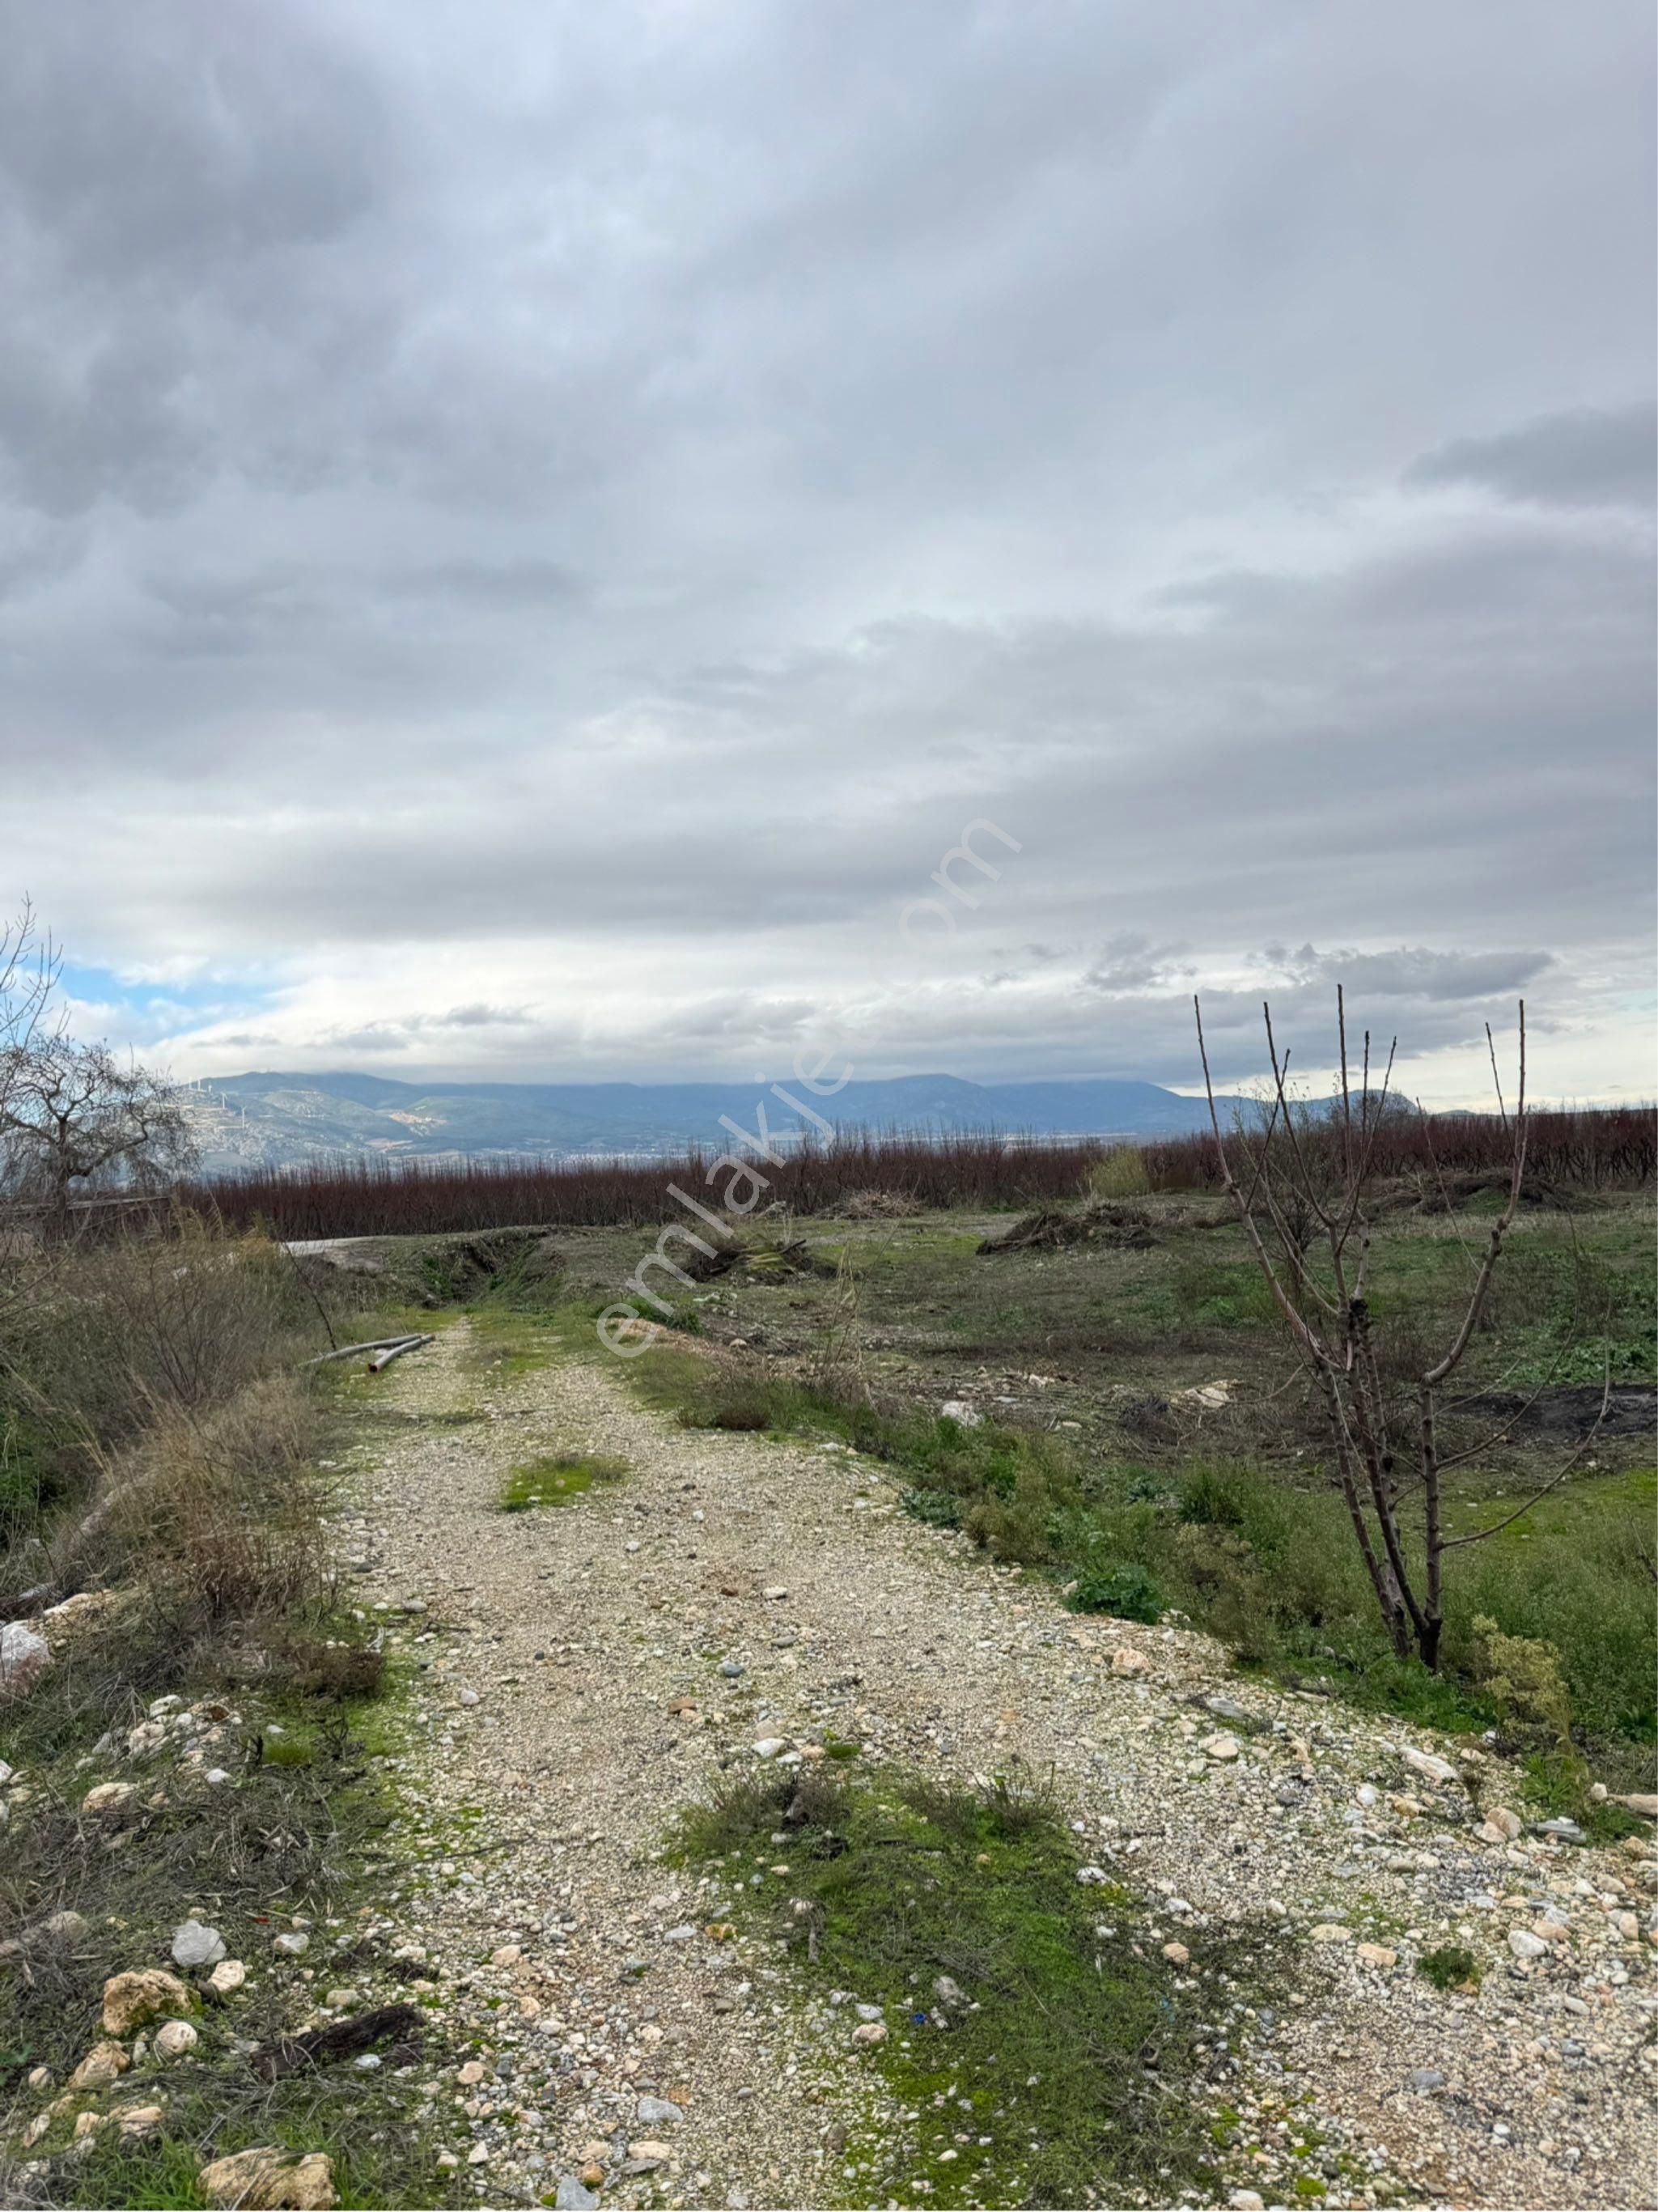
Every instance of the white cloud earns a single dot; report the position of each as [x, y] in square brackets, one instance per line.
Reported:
[525, 537]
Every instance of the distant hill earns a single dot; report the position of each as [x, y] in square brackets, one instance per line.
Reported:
[284, 1119]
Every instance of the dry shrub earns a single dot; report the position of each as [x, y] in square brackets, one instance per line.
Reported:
[215, 1510]
[326, 1668]
[375, 1197]
[102, 1342]
[191, 1317]
[1119, 1174]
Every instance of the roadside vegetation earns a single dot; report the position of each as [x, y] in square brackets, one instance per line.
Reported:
[191, 1713]
[202, 1740]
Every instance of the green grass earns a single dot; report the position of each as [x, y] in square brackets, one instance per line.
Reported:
[1072, 2046]
[505, 1342]
[558, 1480]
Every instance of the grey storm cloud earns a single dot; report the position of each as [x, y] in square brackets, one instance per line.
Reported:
[1591, 457]
[1414, 972]
[572, 510]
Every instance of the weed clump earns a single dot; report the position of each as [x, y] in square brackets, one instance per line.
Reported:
[1521, 1675]
[938, 1509]
[1128, 1592]
[1451, 1966]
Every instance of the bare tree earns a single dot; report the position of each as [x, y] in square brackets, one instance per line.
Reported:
[75, 1121]
[1302, 1202]
[29, 966]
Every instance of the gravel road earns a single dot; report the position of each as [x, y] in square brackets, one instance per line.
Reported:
[777, 1591]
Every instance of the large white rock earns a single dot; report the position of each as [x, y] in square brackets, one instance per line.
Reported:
[1424, 1762]
[196, 1945]
[24, 1656]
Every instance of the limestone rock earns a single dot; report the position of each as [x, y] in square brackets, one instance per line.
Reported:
[269, 2180]
[103, 2062]
[1425, 1763]
[229, 1974]
[175, 2039]
[131, 2000]
[1126, 1660]
[60, 1929]
[106, 1799]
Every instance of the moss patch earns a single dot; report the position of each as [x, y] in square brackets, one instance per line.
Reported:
[1039, 2047]
[559, 1480]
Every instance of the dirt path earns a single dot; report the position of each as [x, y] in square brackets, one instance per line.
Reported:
[781, 1587]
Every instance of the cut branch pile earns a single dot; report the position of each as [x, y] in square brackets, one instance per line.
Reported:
[1055, 1228]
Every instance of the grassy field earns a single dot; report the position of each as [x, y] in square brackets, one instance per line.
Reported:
[1096, 1450]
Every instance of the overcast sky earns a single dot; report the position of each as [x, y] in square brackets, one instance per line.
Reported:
[527, 531]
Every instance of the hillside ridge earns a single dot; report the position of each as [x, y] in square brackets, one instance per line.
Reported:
[286, 1118]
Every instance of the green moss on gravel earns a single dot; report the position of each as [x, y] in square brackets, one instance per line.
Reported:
[1072, 2063]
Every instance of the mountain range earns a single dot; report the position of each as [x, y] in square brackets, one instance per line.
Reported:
[285, 1119]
